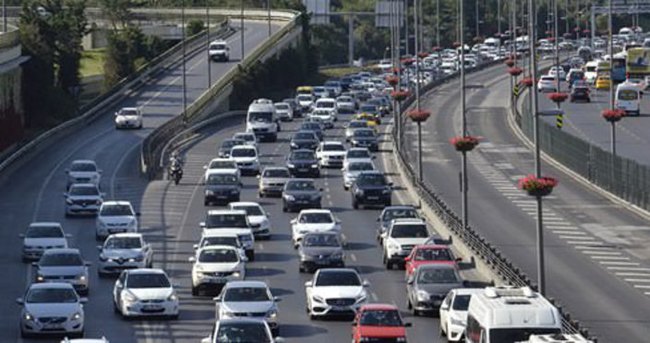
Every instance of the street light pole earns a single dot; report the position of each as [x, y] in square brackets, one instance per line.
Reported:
[184, 113]
[477, 20]
[241, 24]
[417, 85]
[268, 8]
[611, 81]
[4, 16]
[464, 133]
[557, 49]
[207, 42]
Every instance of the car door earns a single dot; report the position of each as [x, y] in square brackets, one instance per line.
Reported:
[445, 308]
[120, 283]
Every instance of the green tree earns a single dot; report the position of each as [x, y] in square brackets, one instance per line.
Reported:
[194, 26]
[117, 11]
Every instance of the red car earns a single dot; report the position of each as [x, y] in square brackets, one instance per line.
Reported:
[429, 254]
[378, 321]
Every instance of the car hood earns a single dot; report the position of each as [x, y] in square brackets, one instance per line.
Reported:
[244, 159]
[228, 170]
[151, 293]
[408, 241]
[46, 242]
[440, 288]
[77, 174]
[218, 267]
[301, 193]
[382, 331]
[333, 153]
[303, 141]
[121, 253]
[315, 251]
[256, 219]
[129, 117]
[315, 227]
[52, 310]
[302, 161]
[85, 197]
[216, 187]
[329, 292]
[364, 138]
[275, 180]
[62, 270]
[372, 187]
[247, 306]
[116, 219]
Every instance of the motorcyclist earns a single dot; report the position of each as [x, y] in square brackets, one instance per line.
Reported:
[175, 165]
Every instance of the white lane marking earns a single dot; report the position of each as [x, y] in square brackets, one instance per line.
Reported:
[638, 280]
[590, 246]
[610, 253]
[615, 263]
[587, 238]
[119, 166]
[633, 274]
[569, 232]
[631, 269]
[353, 257]
[642, 287]
[611, 258]
[583, 242]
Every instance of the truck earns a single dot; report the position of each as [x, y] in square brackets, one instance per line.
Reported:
[637, 64]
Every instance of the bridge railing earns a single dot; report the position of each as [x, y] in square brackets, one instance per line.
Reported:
[9, 39]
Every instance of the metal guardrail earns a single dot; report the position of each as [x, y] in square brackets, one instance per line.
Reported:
[151, 152]
[501, 266]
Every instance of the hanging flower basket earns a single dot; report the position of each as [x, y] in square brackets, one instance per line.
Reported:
[515, 71]
[527, 81]
[408, 61]
[548, 33]
[586, 31]
[423, 54]
[392, 80]
[418, 116]
[567, 35]
[551, 39]
[456, 44]
[509, 62]
[557, 97]
[464, 143]
[537, 186]
[478, 39]
[613, 116]
[399, 95]
[436, 48]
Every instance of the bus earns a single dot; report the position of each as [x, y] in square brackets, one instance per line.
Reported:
[507, 314]
[618, 68]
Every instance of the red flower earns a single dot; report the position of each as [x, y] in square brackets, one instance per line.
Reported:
[400, 95]
[527, 81]
[551, 39]
[392, 80]
[509, 62]
[418, 116]
[396, 70]
[436, 48]
[423, 54]
[515, 71]
[537, 186]
[586, 31]
[464, 143]
[456, 44]
[557, 97]
[613, 116]
[408, 61]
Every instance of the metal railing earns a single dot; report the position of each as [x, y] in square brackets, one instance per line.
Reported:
[10, 38]
[487, 252]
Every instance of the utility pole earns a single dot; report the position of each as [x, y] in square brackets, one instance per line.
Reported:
[499, 18]
[611, 78]
[241, 25]
[184, 113]
[4, 16]
[268, 8]
[477, 21]
[351, 39]
[557, 47]
[207, 42]
[461, 23]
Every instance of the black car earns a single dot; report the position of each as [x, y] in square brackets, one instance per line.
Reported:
[364, 138]
[580, 93]
[297, 110]
[303, 162]
[222, 188]
[312, 126]
[371, 188]
[320, 249]
[226, 145]
[300, 194]
[304, 140]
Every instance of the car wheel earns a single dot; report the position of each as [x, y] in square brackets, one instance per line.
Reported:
[174, 316]
[24, 334]
[408, 304]
[206, 203]
[260, 194]
[416, 313]
[355, 204]
[195, 291]
[251, 256]
[284, 207]
[79, 334]
[275, 332]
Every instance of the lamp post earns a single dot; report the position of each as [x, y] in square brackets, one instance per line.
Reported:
[464, 181]
[268, 11]
[207, 42]
[4, 16]
[241, 25]
[184, 112]
[557, 49]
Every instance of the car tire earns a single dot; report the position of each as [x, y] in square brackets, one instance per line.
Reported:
[251, 256]
[206, 203]
[24, 334]
[408, 304]
[275, 332]
[284, 207]
[260, 194]
[80, 334]
[355, 204]
[195, 291]
[174, 316]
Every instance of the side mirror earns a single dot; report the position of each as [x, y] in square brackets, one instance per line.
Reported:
[20, 301]
[83, 300]
[99, 247]
[408, 325]
[202, 224]
[258, 176]
[244, 258]
[205, 167]
[407, 259]
[21, 235]
[88, 264]
[67, 171]
[68, 235]
[466, 283]
[277, 299]
[279, 340]
[195, 246]
[217, 298]
[206, 340]
[34, 264]
[353, 324]
[137, 214]
[410, 281]
[365, 283]
[320, 189]
[293, 221]
[444, 307]
[390, 184]
[309, 284]
[191, 259]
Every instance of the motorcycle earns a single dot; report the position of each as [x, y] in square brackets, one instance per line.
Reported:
[176, 172]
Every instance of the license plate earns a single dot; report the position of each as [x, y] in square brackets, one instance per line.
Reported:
[218, 280]
[339, 308]
[151, 307]
[52, 326]
[221, 197]
[302, 170]
[373, 198]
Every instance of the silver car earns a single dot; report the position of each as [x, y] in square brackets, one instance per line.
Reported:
[353, 169]
[248, 299]
[428, 286]
[53, 308]
[63, 265]
[83, 171]
[124, 251]
[42, 236]
[272, 180]
[83, 198]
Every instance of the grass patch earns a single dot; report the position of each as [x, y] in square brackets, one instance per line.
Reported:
[92, 62]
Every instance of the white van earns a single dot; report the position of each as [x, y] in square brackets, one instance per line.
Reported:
[262, 120]
[591, 73]
[557, 338]
[628, 98]
[507, 314]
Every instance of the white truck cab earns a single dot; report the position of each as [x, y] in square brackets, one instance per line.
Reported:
[262, 120]
[219, 51]
[628, 98]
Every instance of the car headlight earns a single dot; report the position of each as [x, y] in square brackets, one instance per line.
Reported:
[236, 274]
[103, 258]
[289, 197]
[358, 191]
[40, 278]
[401, 339]
[81, 277]
[291, 165]
[172, 297]
[226, 313]
[129, 297]
[318, 299]
[457, 321]
[133, 222]
[28, 316]
[272, 314]
[315, 165]
[422, 295]
[361, 299]
[209, 192]
[76, 316]
[294, 145]
[393, 246]
[68, 201]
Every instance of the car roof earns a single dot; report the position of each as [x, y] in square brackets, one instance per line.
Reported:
[218, 247]
[244, 203]
[241, 320]
[331, 142]
[221, 159]
[126, 235]
[116, 202]
[302, 179]
[218, 41]
[276, 168]
[222, 172]
[130, 108]
[54, 251]
[45, 224]
[399, 207]
[246, 283]
[83, 185]
[332, 270]
[218, 233]
[145, 271]
[379, 307]
[44, 285]
[315, 210]
[467, 291]
[216, 212]
[83, 161]
[408, 221]
[437, 266]
[432, 247]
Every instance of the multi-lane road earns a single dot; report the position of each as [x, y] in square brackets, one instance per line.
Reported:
[598, 260]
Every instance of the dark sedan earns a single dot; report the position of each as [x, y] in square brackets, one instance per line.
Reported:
[580, 94]
[320, 249]
[299, 194]
[304, 140]
[313, 126]
[371, 188]
[303, 162]
[226, 146]
[365, 138]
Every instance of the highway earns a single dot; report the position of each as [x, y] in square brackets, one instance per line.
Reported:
[32, 191]
[598, 260]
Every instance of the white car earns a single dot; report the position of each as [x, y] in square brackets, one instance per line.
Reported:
[83, 198]
[83, 171]
[546, 83]
[115, 217]
[225, 164]
[257, 217]
[220, 237]
[323, 116]
[385, 65]
[235, 222]
[214, 266]
[51, 308]
[128, 118]
[145, 292]
[557, 70]
[346, 104]
[326, 104]
[123, 251]
[241, 330]
[314, 220]
[353, 169]
[85, 340]
[335, 291]
[402, 236]
[284, 111]
[219, 50]
[248, 299]
[42, 236]
[453, 312]
[357, 155]
[248, 137]
[330, 154]
[246, 158]
[305, 101]
[353, 125]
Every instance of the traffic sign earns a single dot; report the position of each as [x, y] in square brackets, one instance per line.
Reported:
[515, 90]
[559, 121]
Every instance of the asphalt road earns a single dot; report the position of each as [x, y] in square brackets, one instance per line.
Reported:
[597, 255]
[32, 191]
[584, 121]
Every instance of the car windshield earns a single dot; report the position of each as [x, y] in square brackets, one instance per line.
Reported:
[84, 191]
[147, 280]
[380, 318]
[283, 107]
[60, 259]
[433, 255]
[358, 154]
[333, 147]
[325, 104]
[368, 108]
[364, 133]
[226, 220]
[51, 296]
[220, 240]
[304, 97]
[461, 302]
[276, 173]
[222, 179]
[246, 137]
[44, 232]
[129, 112]
[371, 180]
[218, 256]
[437, 275]
[251, 210]
[310, 126]
[242, 333]
[116, 210]
[217, 46]
[399, 213]
[243, 152]
[317, 240]
[316, 218]
[628, 94]
[123, 243]
[518, 334]
[246, 294]
[301, 186]
[83, 167]
[358, 123]
[338, 278]
[344, 99]
[265, 117]
[305, 136]
[360, 166]
[409, 231]
[222, 165]
[231, 143]
[302, 155]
